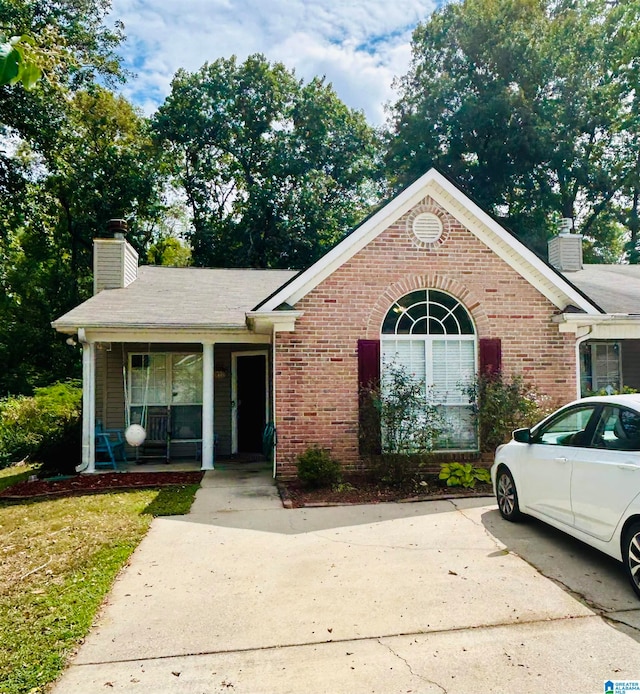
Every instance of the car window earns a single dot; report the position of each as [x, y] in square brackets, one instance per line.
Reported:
[569, 428]
[618, 428]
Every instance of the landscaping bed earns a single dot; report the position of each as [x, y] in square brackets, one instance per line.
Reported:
[295, 495]
[83, 484]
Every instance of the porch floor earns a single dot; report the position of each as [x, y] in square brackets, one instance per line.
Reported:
[187, 464]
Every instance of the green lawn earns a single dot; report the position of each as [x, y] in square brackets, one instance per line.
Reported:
[58, 559]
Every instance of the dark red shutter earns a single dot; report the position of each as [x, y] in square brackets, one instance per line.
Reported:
[368, 364]
[490, 355]
[368, 385]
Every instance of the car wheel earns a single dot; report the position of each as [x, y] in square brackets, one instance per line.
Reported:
[631, 555]
[507, 496]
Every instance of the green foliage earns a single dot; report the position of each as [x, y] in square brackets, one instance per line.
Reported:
[16, 62]
[411, 422]
[502, 404]
[463, 475]
[15, 473]
[275, 171]
[533, 107]
[170, 252]
[173, 501]
[71, 167]
[604, 391]
[99, 165]
[60, 558]
[316, 468]
[400, 426]
[42, 428]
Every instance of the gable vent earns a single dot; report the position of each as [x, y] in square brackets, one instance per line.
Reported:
[427, 227]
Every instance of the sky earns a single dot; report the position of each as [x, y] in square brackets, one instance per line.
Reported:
[358, 45]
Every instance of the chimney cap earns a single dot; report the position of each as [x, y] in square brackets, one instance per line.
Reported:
[565, 225]
[117, 227]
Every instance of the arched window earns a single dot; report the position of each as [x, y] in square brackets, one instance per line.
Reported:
[429, 337]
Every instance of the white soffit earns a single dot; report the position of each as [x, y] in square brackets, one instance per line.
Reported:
[486, 229]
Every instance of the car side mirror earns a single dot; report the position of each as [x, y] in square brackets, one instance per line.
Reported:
[522, 435]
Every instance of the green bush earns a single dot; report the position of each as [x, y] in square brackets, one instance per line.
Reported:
[463, 475]
[43, 428]
[316, 468]
[502, 404]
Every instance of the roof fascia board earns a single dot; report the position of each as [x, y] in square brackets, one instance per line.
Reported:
[526, 263]
[175, 336]
[273, 321]
[609, 326]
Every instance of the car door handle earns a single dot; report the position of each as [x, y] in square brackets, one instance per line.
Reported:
[627, 466]
[561, 460]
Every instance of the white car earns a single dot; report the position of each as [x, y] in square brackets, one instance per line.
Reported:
[579, 470]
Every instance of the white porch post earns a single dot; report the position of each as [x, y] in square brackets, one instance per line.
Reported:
[207, 406]
[88, 407]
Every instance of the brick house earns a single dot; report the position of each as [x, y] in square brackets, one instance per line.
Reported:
[430, 282]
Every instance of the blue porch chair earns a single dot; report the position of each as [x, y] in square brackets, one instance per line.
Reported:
[109, 443]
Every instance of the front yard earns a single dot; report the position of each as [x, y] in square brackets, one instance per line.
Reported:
[59, 557]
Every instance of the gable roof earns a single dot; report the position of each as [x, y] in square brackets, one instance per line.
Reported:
[561, 292]
[164, 297]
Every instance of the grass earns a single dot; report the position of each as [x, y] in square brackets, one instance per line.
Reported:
[58, 559]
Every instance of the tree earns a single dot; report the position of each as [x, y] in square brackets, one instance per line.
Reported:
[274, 170]
[101, 166]
[523, 102]
[169, 251]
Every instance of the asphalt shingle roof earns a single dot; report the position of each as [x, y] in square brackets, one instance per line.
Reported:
[179, 297]
[615, 288]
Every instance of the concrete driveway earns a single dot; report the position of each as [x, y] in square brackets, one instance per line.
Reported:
[244, 596]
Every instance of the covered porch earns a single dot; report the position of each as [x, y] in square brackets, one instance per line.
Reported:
[178, 352]
[197, 398]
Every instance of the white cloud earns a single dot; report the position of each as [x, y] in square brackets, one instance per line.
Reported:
[359, 45]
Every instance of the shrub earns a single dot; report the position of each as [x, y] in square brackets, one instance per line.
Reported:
[400, 424]
[316, 468]
[44, 427]
[411, 421]
[502, 404]
[463, 475]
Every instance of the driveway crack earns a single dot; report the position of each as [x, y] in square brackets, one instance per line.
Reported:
[411, 671]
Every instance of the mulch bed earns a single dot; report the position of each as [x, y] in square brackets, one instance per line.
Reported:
[292, 493]
[295, 496]
[86, 484]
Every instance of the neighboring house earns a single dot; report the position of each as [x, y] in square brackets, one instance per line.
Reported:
[430, 281]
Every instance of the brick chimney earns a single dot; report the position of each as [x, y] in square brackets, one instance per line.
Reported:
[565, 249]
[115, 262]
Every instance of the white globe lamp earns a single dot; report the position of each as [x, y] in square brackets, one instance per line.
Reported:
[135, 435]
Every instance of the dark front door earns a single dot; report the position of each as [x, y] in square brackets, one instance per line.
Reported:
[251, 375]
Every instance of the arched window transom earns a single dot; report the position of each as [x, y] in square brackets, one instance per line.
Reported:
[427, 312]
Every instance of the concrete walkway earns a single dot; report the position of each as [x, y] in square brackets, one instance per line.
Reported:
[244, 596]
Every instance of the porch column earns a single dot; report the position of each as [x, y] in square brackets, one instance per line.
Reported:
[88, 406]
[207, 406]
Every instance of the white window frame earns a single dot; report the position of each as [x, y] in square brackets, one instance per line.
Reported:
[596, 387]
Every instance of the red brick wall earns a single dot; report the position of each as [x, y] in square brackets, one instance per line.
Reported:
[317, 367]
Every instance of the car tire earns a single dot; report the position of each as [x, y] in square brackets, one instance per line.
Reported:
[631, 555]
[507, 496]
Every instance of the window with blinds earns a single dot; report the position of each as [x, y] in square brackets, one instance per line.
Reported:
[430, 335]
